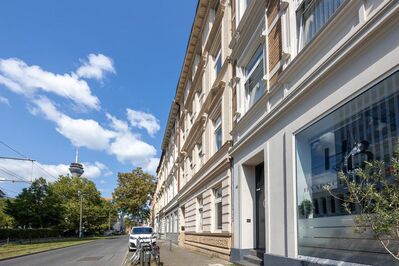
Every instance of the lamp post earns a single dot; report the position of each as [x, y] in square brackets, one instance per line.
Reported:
[76, 170]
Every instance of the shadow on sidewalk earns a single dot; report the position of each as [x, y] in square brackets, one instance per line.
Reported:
[173, 255]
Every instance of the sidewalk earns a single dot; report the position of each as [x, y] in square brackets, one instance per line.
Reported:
[183, 257]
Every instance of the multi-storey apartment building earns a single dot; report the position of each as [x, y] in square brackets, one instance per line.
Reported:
[274, 98]
[317, 91]
[192, 203]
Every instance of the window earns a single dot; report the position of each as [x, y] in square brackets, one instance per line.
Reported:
[242, 6]
[187, 89]
[141, 230]
[200, 213]
[254, 73]
[218, 208]
[218, 62]
[176, 222]
[218, 132]
[200, 97]
[172, 223]
[200, 153]
[192, 163]
[364, 129]
[313, 14]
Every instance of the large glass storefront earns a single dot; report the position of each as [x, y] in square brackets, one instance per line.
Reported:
[366, 128]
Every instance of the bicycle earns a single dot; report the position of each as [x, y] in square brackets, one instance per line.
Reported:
[144, 252]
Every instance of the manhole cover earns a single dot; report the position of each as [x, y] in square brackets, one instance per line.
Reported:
[91, 258]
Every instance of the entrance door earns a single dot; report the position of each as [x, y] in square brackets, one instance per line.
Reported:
[260, 206]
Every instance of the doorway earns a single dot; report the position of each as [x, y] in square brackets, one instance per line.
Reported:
[260, 206]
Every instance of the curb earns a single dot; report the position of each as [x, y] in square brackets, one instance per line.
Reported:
[126, 258]
[38, 252]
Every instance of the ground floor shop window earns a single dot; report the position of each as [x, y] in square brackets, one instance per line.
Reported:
[364, 129]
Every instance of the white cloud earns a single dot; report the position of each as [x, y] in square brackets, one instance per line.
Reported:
[17, 170]
[151, 166]
[81, 132]
[4, 100]
[116, 124]
[96, 67]
[95, 170]
[118, 141]
[27, 80]
[130, 148]
[144, 120]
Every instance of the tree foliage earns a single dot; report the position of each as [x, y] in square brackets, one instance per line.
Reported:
[57, 205]
[133, 193]
[6, 221]
[374, 190]
[36, 206]
[96, 211]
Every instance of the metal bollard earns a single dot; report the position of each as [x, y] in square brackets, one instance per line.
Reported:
[170, 244]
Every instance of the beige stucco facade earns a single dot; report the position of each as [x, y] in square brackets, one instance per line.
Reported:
[284, 68]
[192, 203]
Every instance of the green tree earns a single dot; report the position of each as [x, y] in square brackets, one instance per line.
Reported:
[6, 221]
[133, 193]
[36, 206]
[374, 191]
[111, 211]
[95, 212]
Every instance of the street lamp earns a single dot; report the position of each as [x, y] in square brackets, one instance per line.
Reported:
[76, 170]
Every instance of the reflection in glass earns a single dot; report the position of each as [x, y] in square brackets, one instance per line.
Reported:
[364, 129]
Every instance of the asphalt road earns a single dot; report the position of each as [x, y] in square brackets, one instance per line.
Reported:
[105, 252]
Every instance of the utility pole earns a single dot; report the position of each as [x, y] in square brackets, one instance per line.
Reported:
[76, 170]
[109, 220]
[80, 215]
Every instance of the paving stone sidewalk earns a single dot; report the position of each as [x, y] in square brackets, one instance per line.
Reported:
[179, 256]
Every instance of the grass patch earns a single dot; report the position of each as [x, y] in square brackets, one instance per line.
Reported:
[13, 250]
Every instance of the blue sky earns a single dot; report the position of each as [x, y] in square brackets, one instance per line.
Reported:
[98, 74]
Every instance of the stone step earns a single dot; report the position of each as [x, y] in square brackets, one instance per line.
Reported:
[244, 263]
[257, 253]
[253, 259]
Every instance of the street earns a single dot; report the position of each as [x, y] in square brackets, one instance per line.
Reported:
[107, 252]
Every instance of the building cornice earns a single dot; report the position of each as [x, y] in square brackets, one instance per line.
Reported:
[195, 33]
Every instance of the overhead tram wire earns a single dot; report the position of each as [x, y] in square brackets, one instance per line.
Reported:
[26, 158]
[9, 190]
[13, 174]
[45, 171]
[14, 150]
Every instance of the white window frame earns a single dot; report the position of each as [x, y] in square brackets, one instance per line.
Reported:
[200, 153]
[217, 124]
[247, 74]
[217, 200]
[241, 7]
[200, 212]
[299, 17]
[216, 58]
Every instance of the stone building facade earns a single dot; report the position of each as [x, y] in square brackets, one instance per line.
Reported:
[273, 100]
[192, 203]
[314, 80]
